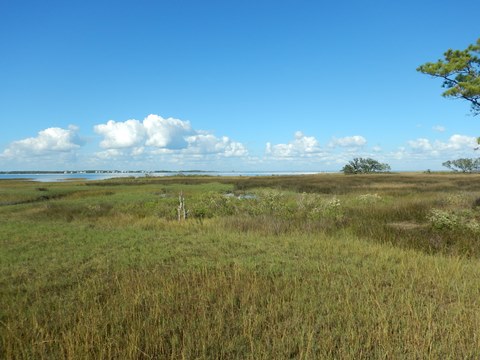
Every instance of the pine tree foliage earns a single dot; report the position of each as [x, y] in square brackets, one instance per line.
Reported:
[460, 71]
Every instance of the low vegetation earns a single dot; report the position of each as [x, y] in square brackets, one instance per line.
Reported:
[303, 267]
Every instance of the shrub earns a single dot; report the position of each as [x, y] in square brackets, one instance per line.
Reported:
[449, 220]
[213, 204]
[443, 220]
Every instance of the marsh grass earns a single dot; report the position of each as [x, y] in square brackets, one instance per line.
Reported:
[307, 267]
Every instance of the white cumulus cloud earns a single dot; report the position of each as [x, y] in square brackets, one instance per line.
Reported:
[166, 133]
[210, 144]
[421, 144]
[300, 146]
[153, 131]
[458, 142]
[156, 135]
[349, 141]
[48, 141]
[423, 149]
[454, 144]
[119, 135]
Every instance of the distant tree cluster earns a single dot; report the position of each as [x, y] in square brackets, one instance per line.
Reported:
[365, 166]
[464, 165]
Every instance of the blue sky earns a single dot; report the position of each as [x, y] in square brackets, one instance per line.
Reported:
[230, 85]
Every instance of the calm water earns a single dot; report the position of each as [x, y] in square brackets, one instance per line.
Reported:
[103, 176]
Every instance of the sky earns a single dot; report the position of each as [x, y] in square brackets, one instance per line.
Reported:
[261, 85]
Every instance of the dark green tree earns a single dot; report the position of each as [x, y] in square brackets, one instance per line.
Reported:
[464, 165]
[460, 71]
[365, 166]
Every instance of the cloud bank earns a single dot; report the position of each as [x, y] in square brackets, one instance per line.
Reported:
[303, 146]
[156, 135]
[456, 145]
[47, 142]
[168, 143]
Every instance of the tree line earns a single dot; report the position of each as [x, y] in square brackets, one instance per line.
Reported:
[370, 166]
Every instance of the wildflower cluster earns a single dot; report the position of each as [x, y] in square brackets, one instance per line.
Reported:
[443, 220]
[314, 207]
[451, 220]
[332, 208]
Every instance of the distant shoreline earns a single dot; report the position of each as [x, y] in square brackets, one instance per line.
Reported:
[31, 172]
[60, 176]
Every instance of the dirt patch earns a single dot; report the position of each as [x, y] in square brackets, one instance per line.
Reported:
[406, 225]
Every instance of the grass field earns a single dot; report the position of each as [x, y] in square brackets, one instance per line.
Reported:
[300, 267]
